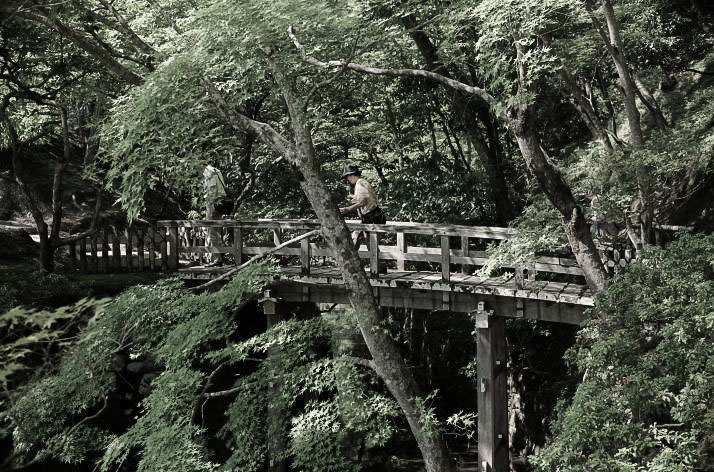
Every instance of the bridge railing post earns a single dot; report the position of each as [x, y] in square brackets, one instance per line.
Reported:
[152, 248]
[238, 245]
[173, 261]
[163, 249]
[465, 252]
[305, 256]
[83, 255]
[140, 248]
[445, 259]
[402, 248]
[373, 253]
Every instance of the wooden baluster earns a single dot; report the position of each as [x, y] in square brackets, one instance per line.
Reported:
[402, 248]
[140, 235]
[164, 251]
[72, 247]
[93, 249]
[305, 256]
[173, 262]
[466, 252]
[83, 255]
[373, 254]
[445, 259]
[518, 276]
[105, 252]
[152, 248]
[127, 249]
[238, 245]
[116, 250]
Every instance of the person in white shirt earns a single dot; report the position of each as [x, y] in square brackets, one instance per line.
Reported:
[364, 201]
[214, 190]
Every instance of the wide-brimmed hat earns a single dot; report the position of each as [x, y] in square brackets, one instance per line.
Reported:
[351, 169]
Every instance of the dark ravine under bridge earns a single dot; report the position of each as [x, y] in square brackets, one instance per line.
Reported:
[430, 267]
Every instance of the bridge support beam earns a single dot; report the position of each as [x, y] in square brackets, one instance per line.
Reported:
[492, 393]
[277, 310]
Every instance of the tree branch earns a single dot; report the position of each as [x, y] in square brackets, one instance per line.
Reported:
[251, 260]
[417, 73]
[39, 16]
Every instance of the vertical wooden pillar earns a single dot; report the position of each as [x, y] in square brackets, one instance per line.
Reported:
[83, 255]
[152, 248]
[238, 245]
[445, 259]
[116, 251]
[127, 249]
[173, 262]
[72, 255]
[140, 248]
[93, 249]
[105, 252]
[164, 250]
[277, 411]
[402, 248]
[492, 394]
[305, 256]
[373, 254]
[466, 252]
[277, 236]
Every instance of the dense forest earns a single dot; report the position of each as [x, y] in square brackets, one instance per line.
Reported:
[582, 126]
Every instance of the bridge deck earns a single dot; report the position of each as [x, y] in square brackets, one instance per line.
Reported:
[550, 301]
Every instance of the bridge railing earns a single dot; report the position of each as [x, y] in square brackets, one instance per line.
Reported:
[459, 248]
[136, 248]
[164, 245]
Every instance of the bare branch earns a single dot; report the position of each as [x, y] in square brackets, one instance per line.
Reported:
[417, 73]
[231, 272]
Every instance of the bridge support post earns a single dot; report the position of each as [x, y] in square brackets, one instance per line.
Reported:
[277, 310]
[492, 393]
[277, 411]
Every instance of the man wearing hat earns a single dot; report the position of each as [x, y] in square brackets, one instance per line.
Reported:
[364, 201]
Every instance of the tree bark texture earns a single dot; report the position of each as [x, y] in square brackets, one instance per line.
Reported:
[585, 109]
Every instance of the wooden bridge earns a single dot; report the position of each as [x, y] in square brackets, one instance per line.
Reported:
[428, 266]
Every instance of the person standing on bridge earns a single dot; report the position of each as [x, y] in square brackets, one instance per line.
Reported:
[214, 191]
[364, 201]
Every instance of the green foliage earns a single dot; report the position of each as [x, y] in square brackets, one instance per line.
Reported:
[328, 409]
[644, 403]
[433, 191]
[342, 414]
[538, 232]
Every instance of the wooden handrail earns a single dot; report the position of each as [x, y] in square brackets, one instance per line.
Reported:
[160, 246]
[483, 232]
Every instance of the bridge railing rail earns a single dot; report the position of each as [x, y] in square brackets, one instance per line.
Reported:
[163, 245]
[459, 257]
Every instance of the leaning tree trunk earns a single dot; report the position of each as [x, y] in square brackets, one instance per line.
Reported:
[558, 192]
[387, 360]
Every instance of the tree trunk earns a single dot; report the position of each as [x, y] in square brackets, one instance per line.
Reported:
[650, 103]
[552, 183]
[585, 109]
[558, 192]
[629, 92]
[46, 252]
[470, 108]
[387, 360]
